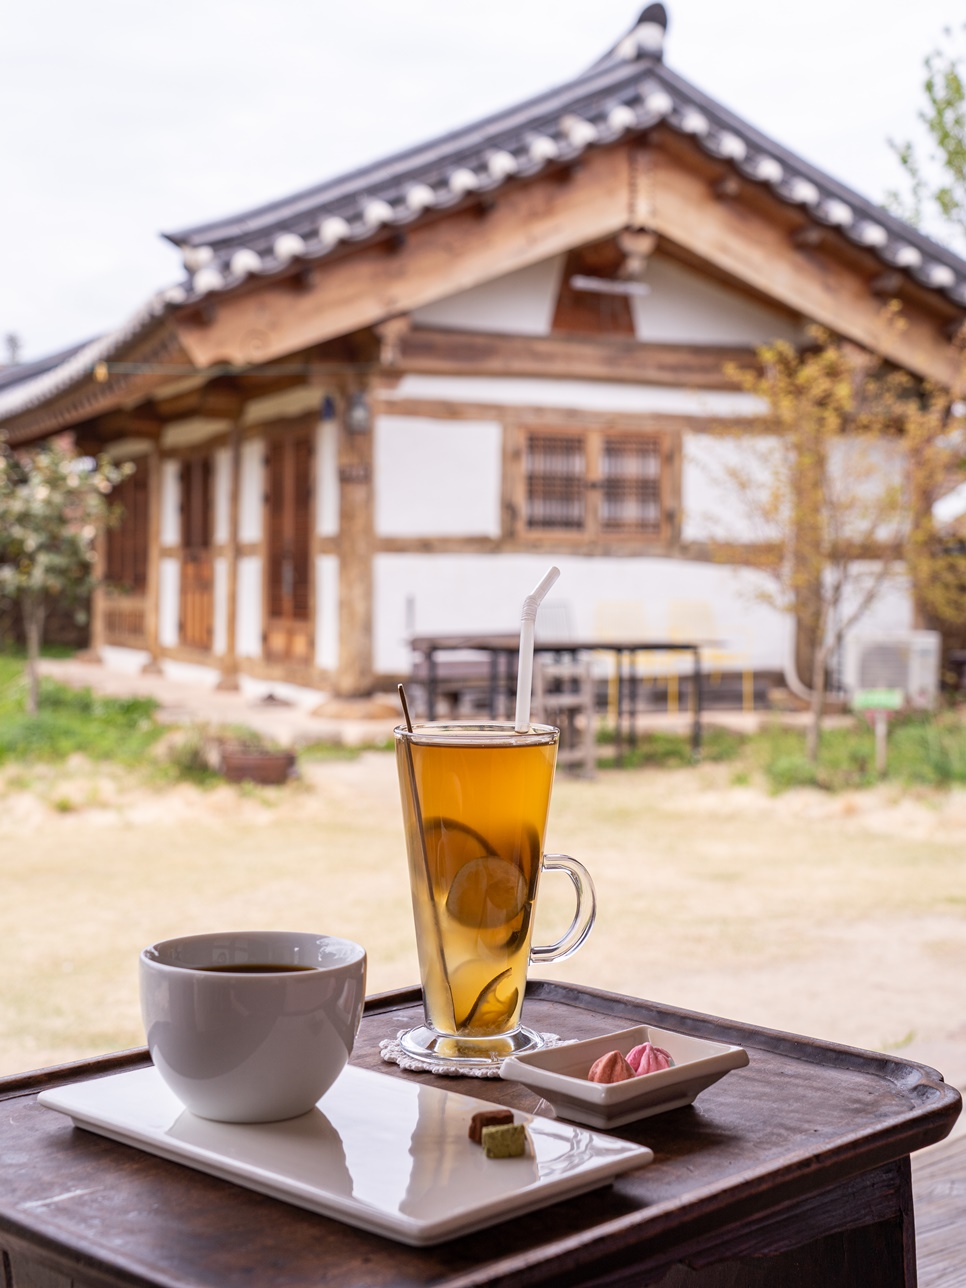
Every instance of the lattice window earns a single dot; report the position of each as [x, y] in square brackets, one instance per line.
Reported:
[196, 503]
[631, 485]
[289, 526]
[596, 483]
[126, 547]
[556, 481]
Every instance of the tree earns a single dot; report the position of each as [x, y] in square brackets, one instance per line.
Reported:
[836, 490]
[932, 424]
[52, 505]
[937, 180]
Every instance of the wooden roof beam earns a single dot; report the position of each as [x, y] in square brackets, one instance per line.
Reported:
[140, 422]
[666, 186]
[751, 243]
[532, 221]
[439, 352]
[216, 399]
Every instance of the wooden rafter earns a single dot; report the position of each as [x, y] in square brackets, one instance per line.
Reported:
[666, 184]
[612, 357]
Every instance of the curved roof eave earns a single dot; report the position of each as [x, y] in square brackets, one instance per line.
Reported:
[628, 91]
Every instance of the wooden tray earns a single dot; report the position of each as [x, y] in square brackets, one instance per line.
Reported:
[801, 1157]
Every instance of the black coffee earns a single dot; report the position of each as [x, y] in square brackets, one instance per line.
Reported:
[252, 968]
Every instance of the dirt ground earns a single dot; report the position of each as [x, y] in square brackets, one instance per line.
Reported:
[842, 917]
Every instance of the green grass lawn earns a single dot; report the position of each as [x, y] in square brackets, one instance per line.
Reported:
[71, 721]
[923, 750]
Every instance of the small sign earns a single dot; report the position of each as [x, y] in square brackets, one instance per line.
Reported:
[877, 700]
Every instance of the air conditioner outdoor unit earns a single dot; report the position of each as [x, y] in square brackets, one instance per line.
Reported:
[906, 660]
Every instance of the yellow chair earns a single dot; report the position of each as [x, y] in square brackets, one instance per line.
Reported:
[625, 621]
[692, 621]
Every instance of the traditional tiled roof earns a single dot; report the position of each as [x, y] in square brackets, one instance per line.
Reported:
[18, 372]
[53, 375]
[628, 91]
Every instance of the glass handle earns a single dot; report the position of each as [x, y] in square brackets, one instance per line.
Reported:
[584, 913]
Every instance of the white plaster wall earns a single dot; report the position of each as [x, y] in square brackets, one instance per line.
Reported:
[222, 496]
[129, 661]
[891, 610]
[219, 594]
[169, 605]
[520, 303]
[192, 431]
[867, 482]
[713, 508]
[170, 503]
[129, 449]
[327, 478]
[205, 677]
[952, 506]
[684, 307]
[300, 696]
[248, 606]
[584, 395]
[326, 612]
[437, 477]
[251, 488]
[486, 592]
[865, 477]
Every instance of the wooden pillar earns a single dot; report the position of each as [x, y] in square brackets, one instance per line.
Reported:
[93, 651]
[229, 665]
[353, 676]
[153, 578]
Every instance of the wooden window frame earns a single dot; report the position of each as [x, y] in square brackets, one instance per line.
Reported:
[595, 435]
[126, 554]
[269, 433]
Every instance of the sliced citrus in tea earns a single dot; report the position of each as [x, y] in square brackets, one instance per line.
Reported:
[486, 893]
[450, 845]
[493, 1008]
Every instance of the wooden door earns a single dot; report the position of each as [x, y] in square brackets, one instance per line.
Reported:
[196, 561]
[288, 633]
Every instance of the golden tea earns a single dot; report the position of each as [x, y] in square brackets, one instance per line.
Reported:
[475, 804]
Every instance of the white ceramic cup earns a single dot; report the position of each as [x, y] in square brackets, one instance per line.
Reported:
[241, 1045]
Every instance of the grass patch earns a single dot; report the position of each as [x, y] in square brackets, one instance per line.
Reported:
[331, 751]
[122, 730]
[922, 750]
[70, 721]
[673, 750]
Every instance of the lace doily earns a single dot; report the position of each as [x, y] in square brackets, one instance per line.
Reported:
[392, 1052]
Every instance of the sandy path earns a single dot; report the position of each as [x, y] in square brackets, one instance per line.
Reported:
[842, 917]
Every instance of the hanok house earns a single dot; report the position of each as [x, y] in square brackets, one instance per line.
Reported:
[387, 403]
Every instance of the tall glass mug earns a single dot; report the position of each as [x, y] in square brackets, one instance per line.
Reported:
[475, 800]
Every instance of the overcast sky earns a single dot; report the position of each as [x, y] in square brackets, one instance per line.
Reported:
[120, 120]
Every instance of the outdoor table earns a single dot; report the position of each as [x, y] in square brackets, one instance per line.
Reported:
[793, 1171]
[503, 651]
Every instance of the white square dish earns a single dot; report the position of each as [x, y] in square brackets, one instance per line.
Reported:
[559, 1074]
[386, 1154]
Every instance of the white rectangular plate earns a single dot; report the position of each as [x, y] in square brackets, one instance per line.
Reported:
[387, 1154]
[559, 1074]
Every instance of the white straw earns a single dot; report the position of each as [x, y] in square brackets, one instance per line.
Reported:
[525, 673]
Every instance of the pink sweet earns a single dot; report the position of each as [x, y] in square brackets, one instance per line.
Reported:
[611, 1067]
[648, 1059]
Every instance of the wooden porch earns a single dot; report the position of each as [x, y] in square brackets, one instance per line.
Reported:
[939, 1187]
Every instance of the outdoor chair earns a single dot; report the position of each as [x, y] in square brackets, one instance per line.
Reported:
[563, 695]
[625, 620]
[693, 621]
